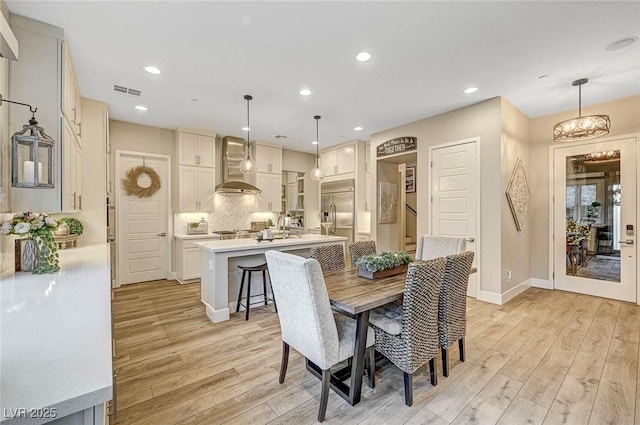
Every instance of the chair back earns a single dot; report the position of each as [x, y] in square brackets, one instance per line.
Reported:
[330, 257]
[306, 318]
[420, 310]
[360, 248]
[434, 246]
[452, 307]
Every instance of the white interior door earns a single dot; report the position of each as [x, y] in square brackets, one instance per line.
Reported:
[594, 218]
[454, 197]
[143, 247]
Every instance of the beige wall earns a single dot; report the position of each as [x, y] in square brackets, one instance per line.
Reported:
[481, 121]
[515, 245]
[6, 242]
[625, 119]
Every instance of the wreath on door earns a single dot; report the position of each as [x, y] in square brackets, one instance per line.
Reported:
[132, 187]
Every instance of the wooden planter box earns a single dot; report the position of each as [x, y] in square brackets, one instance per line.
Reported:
[382, 273]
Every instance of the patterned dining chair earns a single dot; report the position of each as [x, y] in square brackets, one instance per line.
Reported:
[407, 334]
[452, 306]
[434, 246]
[306, 321]
[330, 257]
[360, 248]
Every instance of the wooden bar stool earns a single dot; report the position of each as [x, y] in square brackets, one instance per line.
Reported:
[248, 270]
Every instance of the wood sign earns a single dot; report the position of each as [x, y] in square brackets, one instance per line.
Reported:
[397, 145]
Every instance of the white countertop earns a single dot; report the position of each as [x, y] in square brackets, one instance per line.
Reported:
[200, 236]
[55, 334]
[249, 244]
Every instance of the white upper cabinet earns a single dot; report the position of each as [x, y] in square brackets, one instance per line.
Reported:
[340, 160]
[196, 172]
[270, 200]
[71, 99]
[196, 149]
[268, 159]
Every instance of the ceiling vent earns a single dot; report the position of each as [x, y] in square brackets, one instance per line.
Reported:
[126, 90]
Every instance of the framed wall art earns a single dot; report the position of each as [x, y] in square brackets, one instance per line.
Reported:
[518, 194]
[410, 180]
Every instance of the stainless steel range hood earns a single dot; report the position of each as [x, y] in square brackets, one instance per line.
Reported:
[232, 177]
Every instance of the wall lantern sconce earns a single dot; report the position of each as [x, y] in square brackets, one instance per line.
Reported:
[32, 153]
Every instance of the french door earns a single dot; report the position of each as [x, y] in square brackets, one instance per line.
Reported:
[594, 218]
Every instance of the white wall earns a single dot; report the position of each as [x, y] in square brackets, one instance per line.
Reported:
[482, 121]
[6, 242]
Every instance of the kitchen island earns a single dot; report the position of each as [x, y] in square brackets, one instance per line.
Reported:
[220, 280]
[55, 362]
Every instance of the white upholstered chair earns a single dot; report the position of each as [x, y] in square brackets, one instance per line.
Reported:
[434, 246]
[307, 322]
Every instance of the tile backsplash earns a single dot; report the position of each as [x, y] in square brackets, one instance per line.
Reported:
[232, 212]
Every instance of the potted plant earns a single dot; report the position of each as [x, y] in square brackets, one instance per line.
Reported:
[384, 264]
[75, 226]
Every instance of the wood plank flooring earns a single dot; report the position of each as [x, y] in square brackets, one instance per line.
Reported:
[546, 357]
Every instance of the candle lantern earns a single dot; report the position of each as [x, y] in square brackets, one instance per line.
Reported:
[32, 157]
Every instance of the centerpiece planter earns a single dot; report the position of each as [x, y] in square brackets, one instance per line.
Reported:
[385, 264]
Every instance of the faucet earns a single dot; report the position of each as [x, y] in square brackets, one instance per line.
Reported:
[284, 233]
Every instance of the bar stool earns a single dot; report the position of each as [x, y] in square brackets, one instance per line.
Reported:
[248, 270]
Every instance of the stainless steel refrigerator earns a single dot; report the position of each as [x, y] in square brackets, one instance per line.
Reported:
[337, 208]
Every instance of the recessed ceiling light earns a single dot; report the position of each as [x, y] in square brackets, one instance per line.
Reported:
[363, 56]
[305, 92]
[315, 142]
[621, 44]
[141, 108]
[357, 128]
[470, 90]
[245, 129]
[152, 70]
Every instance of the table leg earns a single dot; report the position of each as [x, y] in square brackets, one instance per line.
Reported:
[359, 350]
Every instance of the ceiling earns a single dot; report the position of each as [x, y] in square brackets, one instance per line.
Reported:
[424, 55]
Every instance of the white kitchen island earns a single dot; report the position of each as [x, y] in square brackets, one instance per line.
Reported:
[55, 363]
[220, 279]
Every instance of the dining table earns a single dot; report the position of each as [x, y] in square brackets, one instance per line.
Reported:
[356, 296]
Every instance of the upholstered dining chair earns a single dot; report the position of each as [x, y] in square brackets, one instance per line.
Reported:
[407, 334]
[307, 322]
[452, 305]
[434, 246]
[330, 257]
[360, 248]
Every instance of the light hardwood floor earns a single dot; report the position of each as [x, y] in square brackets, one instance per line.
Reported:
[546, 357]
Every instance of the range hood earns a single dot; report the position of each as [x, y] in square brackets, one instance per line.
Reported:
[232, 177]
[8, 41]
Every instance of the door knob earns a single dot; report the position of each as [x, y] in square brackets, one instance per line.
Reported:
[163, 234]
[628, 242]
[471, 239]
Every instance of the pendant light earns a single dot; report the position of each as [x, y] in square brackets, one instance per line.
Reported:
[248, 165]
[316, 172]
[581, 128]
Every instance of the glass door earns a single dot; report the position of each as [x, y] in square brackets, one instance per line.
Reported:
[595, 219]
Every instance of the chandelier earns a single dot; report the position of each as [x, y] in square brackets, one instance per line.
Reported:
[582, 128]
[596, 157]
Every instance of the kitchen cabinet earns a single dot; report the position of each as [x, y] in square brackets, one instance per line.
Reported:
[188, 264]
[270, 198]
[341, 160]
[196, 189]
[295, 191]
[196, 149]
[71, 169]
[362, 236]
[71, 99]
[268, 159]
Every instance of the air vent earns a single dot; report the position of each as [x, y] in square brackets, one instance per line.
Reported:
[281, 136]
[126, 90]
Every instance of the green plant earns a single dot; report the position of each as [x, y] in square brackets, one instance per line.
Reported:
[75, 226]
[269, 223]
[383, 261]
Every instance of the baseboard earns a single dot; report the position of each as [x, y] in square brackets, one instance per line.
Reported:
[500, 299]
[216, 315]
[541, 283]
[516, 290]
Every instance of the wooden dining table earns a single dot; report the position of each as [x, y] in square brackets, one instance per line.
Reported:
[357, 296]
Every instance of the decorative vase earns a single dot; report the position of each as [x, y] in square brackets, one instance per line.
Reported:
[29, 255]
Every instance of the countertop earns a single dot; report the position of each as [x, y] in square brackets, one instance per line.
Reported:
[200, 236]
[56, 336]
[249, 244]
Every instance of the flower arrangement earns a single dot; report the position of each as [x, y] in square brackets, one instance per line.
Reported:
[383, 261]
[38, 226]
